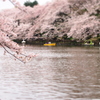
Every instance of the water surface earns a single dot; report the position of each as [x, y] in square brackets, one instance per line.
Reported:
[57, 73]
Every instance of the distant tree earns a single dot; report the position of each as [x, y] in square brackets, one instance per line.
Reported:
[31, 4]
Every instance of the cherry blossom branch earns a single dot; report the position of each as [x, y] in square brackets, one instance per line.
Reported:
[11, 53]
[24, 60]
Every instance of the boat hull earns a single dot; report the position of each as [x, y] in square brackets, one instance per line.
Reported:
[51, 44]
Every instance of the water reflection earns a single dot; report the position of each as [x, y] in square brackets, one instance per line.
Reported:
[57, 73]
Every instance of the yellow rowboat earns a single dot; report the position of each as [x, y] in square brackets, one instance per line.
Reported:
[50, 44]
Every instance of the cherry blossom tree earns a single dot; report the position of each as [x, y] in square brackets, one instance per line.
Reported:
[60, 17]
[7, 25]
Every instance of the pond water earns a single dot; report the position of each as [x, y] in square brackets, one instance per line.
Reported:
[57, 73]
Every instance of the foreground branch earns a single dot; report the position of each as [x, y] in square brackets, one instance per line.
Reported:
[24, 58]
[11, 53]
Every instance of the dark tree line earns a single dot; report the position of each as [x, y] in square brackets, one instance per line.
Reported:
[31, 4]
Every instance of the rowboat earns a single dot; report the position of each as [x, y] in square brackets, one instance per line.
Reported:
[50, 44]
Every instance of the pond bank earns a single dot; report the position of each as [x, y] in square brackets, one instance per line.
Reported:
[67, 42]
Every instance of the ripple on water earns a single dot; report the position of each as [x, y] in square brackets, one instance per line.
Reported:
[57, 73]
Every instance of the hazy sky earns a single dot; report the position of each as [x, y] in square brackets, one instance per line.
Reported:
[7, 4]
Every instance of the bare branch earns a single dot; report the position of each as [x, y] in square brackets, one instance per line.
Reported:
[17, 6]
